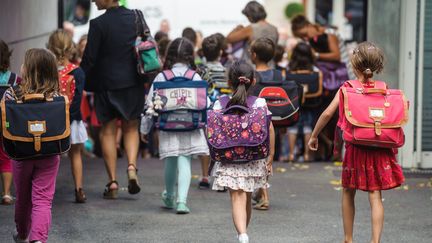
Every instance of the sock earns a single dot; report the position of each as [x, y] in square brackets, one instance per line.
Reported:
[243, 236]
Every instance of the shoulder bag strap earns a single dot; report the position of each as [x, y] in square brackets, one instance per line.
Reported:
[145, 28]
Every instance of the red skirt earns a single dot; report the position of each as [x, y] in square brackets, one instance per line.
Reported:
[370, 169]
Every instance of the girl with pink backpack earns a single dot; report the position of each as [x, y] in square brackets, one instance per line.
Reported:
[371, 118]
[241, 140]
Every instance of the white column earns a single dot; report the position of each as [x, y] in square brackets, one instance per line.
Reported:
[310, 10]
[407, 71]
[338, 18]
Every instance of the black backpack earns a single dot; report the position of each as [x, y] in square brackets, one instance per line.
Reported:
[35, 126]
[313, 86]
[283, 98]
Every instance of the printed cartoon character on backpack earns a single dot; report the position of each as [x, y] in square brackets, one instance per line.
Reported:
[283, 97]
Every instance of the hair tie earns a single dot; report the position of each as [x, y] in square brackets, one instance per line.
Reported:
[367, 70]
[243, 80]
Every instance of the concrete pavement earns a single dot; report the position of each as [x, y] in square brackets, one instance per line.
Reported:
[305, 207]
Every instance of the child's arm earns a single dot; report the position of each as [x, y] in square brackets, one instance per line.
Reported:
[322, 122]
[272, 148]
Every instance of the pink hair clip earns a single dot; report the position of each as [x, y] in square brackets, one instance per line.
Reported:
[244, 80]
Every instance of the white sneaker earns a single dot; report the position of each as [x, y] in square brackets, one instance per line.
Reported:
[243, 238]
[18, 240]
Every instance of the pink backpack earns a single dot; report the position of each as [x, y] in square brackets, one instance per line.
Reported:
[373, 116]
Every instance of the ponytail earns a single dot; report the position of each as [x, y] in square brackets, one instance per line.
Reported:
[240, 76]
[240, 94]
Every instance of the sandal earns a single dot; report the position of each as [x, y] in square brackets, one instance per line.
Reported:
[7, 200]
[133, 186]
[262, 205]
[110, 193]
[80, 196]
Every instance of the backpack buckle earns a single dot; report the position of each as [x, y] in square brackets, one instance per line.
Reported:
[377, 125]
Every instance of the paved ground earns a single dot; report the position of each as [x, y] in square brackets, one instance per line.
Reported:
[305, 207]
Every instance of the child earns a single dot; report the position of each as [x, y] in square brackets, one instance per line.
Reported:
[243, 179]
[215, 74]
[60, 43]
[177, 148]
[6, 78]
[279, 58]
[35, 179]
[301, 69]
[262, 52]
[365, 168]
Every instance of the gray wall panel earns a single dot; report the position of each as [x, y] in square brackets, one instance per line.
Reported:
[23, 22]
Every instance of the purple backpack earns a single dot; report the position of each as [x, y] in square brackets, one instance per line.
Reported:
[334, 74]
[238, 137]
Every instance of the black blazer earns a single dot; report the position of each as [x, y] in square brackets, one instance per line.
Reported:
[109, 60]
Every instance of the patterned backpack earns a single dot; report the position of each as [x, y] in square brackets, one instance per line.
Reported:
[238, 137]
[67, 81]
[180, 102]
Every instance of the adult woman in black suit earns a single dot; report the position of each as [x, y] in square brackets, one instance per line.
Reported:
[110, 66]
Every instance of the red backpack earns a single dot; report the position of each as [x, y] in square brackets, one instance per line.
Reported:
[67, 81]
[373, 116]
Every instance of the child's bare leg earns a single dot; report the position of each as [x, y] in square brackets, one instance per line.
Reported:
[205, 161]
[265, 195]
[239, 210]
[292, 137]
[348, 212]
[377, 211]
[76, 164]
[248, 207]
[307, 157]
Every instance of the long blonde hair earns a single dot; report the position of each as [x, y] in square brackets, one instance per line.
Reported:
[39, 73]
[60, 43]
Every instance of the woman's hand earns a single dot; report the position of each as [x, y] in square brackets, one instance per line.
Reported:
[313, 143]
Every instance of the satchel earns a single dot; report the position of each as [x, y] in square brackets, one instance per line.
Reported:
[312, 87]
[373, 116]
[238, 137]
[183, 102]
[35, 126]
[283, 98]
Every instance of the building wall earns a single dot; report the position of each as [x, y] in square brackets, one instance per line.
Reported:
[26, 24]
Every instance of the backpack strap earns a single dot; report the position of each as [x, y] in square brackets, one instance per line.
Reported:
[168, 74]
[277, 75]
[251, 101]
[189, 74]
[12, 79]
[224, 101]
[379, 87]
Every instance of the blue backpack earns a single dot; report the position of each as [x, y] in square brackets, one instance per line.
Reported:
[183, 102]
